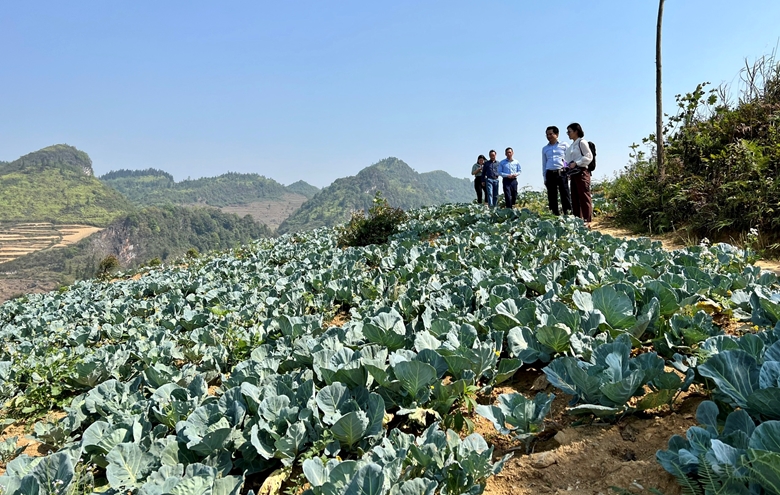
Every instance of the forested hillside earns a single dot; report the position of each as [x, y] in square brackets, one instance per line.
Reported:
[155, 187]
[163, 232]
[304, 188]
[56, 184]
[398, 183]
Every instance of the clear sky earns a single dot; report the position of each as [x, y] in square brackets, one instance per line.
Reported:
[318, 90]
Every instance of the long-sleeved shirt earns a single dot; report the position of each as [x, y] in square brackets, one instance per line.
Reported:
[490, 169]
[475, 172]
[553, 157]
[507, 167]
[574, 153]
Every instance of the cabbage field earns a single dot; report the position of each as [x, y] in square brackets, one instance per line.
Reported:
[351, 371]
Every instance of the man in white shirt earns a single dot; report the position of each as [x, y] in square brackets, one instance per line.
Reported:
[509, 169]
[554, 172]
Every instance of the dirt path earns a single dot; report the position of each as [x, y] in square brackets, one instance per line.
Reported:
[669, 241]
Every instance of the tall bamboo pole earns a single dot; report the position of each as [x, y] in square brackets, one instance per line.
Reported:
[659, 111]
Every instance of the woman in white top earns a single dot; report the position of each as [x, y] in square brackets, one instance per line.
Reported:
[578, 156]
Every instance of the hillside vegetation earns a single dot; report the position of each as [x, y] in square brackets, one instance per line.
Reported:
[303, 188]
[164, 232]
[155, 187]
[341, 371]
[399, 184]
[723, 166]
[56, 184]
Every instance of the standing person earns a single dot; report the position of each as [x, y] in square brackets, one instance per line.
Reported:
[578, 155]
[509, 169]
[479, 183]
[490, 174]
[554, 172]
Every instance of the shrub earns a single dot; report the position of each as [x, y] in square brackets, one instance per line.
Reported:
[723, 165]
[108, 265]
[382, 222]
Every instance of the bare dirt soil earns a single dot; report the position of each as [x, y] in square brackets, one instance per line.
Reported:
[588, 458]
[11, 288]
[32, 447]
[71, 234]
[270, 213]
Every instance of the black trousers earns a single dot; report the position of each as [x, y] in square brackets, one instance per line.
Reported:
[510, 192]
[557, 183]
[479, 187]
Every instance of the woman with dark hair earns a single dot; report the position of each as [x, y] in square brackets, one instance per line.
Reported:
[578, 156]
[479, 179]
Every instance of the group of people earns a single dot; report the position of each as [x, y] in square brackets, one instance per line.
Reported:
[564, 168]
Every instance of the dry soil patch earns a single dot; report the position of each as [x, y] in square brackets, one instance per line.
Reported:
[270, 213]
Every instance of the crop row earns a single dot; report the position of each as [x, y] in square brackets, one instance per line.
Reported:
[457, 302]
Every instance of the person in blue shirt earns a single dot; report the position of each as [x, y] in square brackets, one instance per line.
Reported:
[554, 172]
[509, 169]
[490, 174]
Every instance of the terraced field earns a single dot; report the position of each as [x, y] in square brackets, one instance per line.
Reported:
[19, 239]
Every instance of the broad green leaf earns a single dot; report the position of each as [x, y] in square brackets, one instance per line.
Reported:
[315, 471]
[415, 376]
[656, 399]
[128, 465]
[620, 392]
[507, 369]
[555, 337]
[765, 468]
[331, 400]
[734, 372]
[766, 437]
[369, 480]
[583, 301]
[765, 402]
[615, 306]
[54, 470]
[351, 427]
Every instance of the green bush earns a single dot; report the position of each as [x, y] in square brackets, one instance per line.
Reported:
[382, 222]
[722, 175]
[108, 265]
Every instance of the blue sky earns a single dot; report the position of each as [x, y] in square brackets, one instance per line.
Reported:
[319, 90]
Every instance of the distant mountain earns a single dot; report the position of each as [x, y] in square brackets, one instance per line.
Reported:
[155, 187]
[303, 188]
[164, 232]
[57, 184]
[398, 183]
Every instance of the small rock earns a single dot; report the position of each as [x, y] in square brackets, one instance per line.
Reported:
[540, 383]
[567, 436]
[543, 460]
[628, 433]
